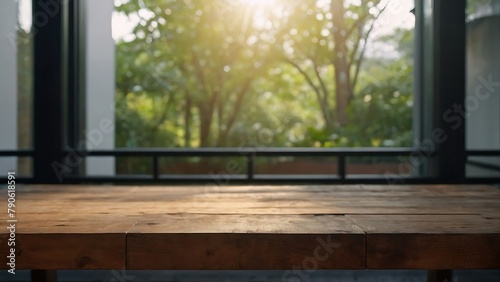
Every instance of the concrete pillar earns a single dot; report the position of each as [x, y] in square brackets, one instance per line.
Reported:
[100, 85]
[8, 83]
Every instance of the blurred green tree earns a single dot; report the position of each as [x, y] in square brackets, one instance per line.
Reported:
[233, 73]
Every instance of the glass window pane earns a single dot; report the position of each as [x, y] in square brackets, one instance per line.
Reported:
[16, 112]
[300, 73]
[483, 84]
[99, 86]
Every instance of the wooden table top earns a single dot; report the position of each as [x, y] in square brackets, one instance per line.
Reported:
[254, 227]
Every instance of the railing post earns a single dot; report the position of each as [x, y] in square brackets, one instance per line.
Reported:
[156, 167]
[250, 165]
[440, 276]
[341, 168]
[44, 275]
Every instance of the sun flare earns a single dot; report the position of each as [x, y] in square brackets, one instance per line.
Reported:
[259, 3]
[261, 11]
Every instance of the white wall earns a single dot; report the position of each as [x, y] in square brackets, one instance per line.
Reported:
[483, 78]
[8, 83]
[100, 84]
[483, 63]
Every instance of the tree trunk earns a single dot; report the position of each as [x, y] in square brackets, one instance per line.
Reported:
[236, 109]
[205, 123]
[341, 66]
[187, 122]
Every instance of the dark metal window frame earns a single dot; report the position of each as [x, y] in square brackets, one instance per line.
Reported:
[59, 92]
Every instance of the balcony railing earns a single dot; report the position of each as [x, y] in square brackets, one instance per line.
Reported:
[251, 177]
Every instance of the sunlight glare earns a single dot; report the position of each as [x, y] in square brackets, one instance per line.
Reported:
[259, 3]
[25, 18]
[263, 9]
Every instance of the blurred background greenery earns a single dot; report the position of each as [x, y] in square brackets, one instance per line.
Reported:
[235, 73]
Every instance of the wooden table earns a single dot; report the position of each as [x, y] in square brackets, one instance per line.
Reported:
[296, 229]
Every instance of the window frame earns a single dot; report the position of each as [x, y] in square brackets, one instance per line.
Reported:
[59, 114]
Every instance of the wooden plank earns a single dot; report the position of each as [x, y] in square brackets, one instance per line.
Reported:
[210, 223]
[129, 192]
[418, 222]
[65, 241]
[92, 200]
[236, 242]
[430, 241]
[433, 251]
[97, 227]
[425, 224]
[66, 251]
[243, 251]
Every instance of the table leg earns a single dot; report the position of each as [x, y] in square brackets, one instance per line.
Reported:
[440, 276]
[44, 276]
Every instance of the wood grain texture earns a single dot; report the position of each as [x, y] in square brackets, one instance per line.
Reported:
[431, 241]
[249, 242]
[97, 200]
[272, 224]
[255, 227]
[433, 251]
[69, 251]
[240, 251]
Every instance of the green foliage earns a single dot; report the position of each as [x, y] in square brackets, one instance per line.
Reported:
[383, 110]
[212, 73]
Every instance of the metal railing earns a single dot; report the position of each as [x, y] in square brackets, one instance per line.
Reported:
[251, 177]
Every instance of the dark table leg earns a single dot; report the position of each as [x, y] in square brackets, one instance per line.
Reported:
[43, 276]
[440, 276]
